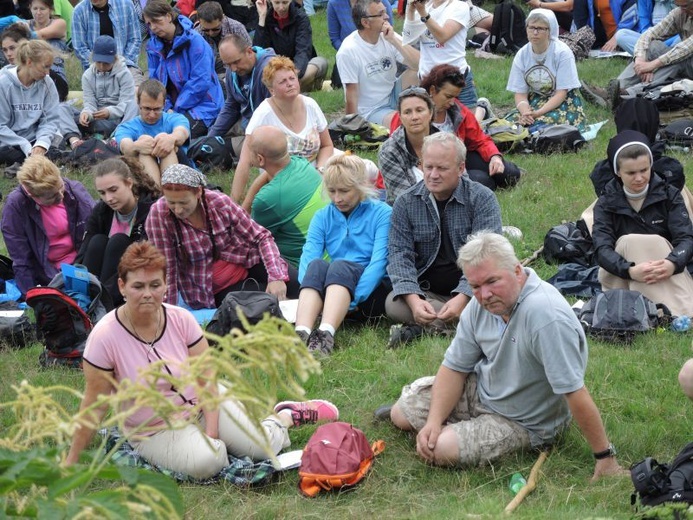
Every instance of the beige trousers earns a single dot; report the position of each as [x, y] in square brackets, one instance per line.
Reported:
[399, 311]
[676, 292]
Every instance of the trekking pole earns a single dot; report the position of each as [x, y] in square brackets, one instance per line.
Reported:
[532, 258]
[529, 486]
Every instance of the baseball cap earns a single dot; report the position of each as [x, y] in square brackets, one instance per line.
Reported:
[104, 49]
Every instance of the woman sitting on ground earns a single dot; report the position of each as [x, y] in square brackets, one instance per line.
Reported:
[353, 232]
[52, 29]
[544, 77]
[43, 222]
[108, 89]
[298, 116]
[642, 234]
[484, 163]
[127, 193]
[145, 329]
[211, 245]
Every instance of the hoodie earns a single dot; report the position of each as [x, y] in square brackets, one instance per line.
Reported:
[28, 115]
[113, 90]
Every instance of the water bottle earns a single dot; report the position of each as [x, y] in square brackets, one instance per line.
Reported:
[517, 482]
[681, 324]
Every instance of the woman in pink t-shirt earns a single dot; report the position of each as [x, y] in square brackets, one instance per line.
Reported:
[145, 330]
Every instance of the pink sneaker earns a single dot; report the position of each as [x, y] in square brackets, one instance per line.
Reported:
[309, 412]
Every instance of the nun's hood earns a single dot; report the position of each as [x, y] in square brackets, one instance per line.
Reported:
[549, 17]
[620, 141]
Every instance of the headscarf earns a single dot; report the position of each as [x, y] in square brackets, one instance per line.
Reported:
[546, 16]
[620, 141]
[182, 174]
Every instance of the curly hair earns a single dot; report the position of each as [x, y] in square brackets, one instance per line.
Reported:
[442, 74]
[129, 168]
[275, 65]
[141, 255]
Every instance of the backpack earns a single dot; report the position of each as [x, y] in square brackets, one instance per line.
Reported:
[568, 242]
[679, 132]
[657, 483]
[580, 41]
[508, 32]
[15, 331]
[619, 314]
[557, 139]
[92, 151]
[353, 132]
[506, 135]
[253, 304]
[337, 456]
[61, 324]
[212, 152]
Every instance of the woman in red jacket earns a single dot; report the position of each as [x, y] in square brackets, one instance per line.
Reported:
[485, 164]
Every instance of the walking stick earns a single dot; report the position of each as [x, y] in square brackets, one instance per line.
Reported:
[532, 258]
[529, 486]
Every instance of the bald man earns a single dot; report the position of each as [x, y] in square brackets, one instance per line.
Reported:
[287, 203]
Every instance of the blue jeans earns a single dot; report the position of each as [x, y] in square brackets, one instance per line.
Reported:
[468, 96]
[321, 274]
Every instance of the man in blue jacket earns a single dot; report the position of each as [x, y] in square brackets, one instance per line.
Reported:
[245, 92]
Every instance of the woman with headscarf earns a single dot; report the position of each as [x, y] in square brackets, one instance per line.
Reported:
[544, 77]
[643, 236]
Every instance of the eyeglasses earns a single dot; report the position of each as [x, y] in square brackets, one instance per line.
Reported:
[412, 91]
[537, 30]
[212, 30]
[154, 110]
[382, 14]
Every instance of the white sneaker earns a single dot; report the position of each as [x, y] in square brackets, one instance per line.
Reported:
[512, 233]
[486, 105]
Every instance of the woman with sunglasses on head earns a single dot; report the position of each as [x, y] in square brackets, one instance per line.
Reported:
[544, 77]
[440, 27]
[146, 330]
[43, 222]
[484, 163]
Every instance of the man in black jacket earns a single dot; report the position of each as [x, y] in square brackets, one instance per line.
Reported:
[285, 27]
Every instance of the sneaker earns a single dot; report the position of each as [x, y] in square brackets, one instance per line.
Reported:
[484, 103]
[321, 341]
[11, 171]
[594, 94]
[309, 412]
[303, 335]
[614, 94]
[321, 74]
[403, 334]
[512, 232]
[382, 413]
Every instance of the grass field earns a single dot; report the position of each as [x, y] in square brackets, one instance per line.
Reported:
[635, 387]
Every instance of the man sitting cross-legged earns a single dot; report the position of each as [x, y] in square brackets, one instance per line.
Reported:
[512, 377]
[157, 138]
[286, 205]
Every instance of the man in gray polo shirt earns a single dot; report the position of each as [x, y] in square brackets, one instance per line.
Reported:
[513, 375]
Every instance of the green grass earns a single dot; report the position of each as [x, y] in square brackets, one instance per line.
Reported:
[635, 387]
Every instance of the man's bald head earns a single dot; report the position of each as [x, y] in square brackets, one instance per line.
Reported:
[270, 142]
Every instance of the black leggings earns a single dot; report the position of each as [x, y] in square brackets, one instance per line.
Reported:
[477, 169]
[258, 274]
[102, 258]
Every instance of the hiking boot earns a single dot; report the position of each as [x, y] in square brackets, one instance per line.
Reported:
[382, 413]
[11, 171]
[303, 335]
[321, 341]
[484, 103]
[309, 412]
[403, 334]
[594, 94]
[614, 94]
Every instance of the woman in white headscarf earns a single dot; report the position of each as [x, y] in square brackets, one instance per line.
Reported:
[544, 77]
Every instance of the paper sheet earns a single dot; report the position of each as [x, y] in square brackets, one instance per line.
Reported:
[288, 308]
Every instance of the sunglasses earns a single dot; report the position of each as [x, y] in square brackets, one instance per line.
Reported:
[412, 91]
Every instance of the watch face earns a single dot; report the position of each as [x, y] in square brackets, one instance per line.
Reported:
[540, 80]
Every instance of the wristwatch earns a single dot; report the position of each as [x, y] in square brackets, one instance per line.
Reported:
[608, 452]
[426, 18]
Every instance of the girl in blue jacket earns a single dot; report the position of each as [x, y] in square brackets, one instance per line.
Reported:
[352, 232]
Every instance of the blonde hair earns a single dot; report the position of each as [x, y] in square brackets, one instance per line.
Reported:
[347, 171]
[33, 50]
[275, 65]
[39, 175]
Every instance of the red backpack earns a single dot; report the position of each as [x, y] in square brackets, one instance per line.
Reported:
[336, 456]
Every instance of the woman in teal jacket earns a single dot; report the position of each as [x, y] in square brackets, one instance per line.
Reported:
[353, 232]
[183, 61]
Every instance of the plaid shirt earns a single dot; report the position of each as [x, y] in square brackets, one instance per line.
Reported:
[677, 22]
[238, 238]
[415, 230]
[126, 30]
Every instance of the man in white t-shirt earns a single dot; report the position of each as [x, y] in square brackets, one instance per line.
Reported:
[367, 62]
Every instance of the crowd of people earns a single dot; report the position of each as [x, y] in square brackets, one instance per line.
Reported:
[417, 238]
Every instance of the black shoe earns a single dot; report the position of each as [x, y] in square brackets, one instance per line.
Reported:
[614, 94]
[403, 334]
[382, 413]
[11, 171]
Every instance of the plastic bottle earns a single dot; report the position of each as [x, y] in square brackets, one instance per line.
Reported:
[517, 482]
[681, 324]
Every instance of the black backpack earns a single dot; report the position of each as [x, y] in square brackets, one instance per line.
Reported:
[657, 483]
[212, 152]
[568, 242]
[508, 32]
[678, 132]
[617, 315]
[556, 139]
[253, 304]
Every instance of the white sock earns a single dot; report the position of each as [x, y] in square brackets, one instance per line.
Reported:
[302, 328]
[327, 327]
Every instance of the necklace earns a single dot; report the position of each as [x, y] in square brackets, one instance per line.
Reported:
[289, 121]
[150, 344]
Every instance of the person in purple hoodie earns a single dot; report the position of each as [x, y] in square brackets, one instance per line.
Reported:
[181, 59]
[43, 222]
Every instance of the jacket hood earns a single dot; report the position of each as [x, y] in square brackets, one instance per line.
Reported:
[620, 141]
